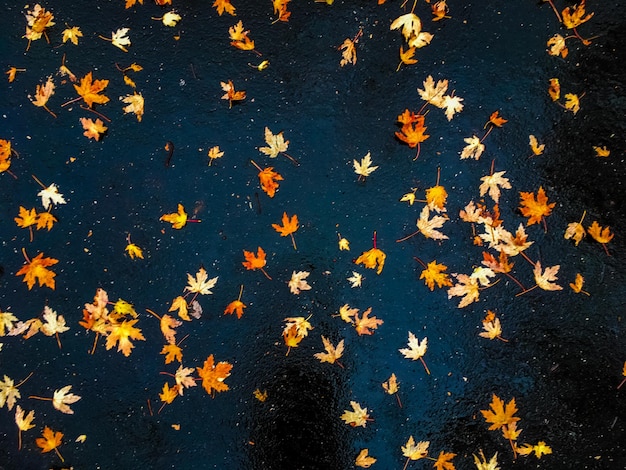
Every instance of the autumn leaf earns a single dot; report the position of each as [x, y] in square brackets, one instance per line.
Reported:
[122, 333]
[482, 463]
[391, 387]
[373, 259]
[268, 179]
[50, 440]
[9, 392]
[346, 313]
[171, 18]
[409, 24]
[496, 119]
[554, 89]
[90, 90]
[498, 415]
[172, 353]
[133, 251]
[492, 327]
[119, 38]
[574, 16]
[239, 37]
[280, 9]
[412, 132]
[224, 6]
[276, 144]
[6, 322]
[26, 219]
[43, 94]
[135, 105]
[37, 270]
[72, 34]
[406, 57]
[214, 153]
[466, 287]
[416, 350]
[38, 20]
[492, 183]
[433, 274]
[599, 234]
[355, 280]
[414, 451]
[62, 398]
[452, 105]
[366, 324]
[231, 94]
[24, 422]
[168, 395]
[364, 168]
[439, 10]
[348, 49]
[288, 227]
[364, 460]
[213, 375]
[93, 130]
[177, 219]
[428, 227]
[298, 282]
[357, 417]
[539, 449]
[344, 244]
[332, 353]
[535, 208]
[236, 306]
[168, 325]
[534, 145]
[577, 285]
[443, 461]
[556, 46]
[257, 261]
[433, 93]
[436, 198]
[474, 148]
[200, 284]
[572, 102]
[12, 73]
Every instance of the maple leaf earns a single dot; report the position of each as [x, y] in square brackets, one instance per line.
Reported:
[572, 102]
[332, 352]
[474, 148]
[240, 38]
[434, 274]
[345, 312]
[121, 334]
[412, 133]
[355, 280]
[466, 287]
[45, 220]
[9, 392]
[133, 251]
[231, 94]
[289, 226]
[554, 89]
[276, 144]
[577, 285]
[135, 105]
[183, 378]
[414, 451]
[168, 395]
[298, 282]
[436, 198]
[535, 208]
[574, 16]
[119, 38]
[37, 19]
[601, 151]
[280, 8]
[268, 179]
[513, 246]
[53, 323]
[534, 145]
[213, 375]
[599, 234]
[439, 10]
[26, 218]
[72, 34]
[366, 324]
[43, 94]
[93, 130]
[391, 385]
[348, 48]
[575, 231]
[482, 463]
[410, 25]
[443, 461]
[344, 244]
[499, 415]
[224, 6]
[407, 57]
[62, 399]
[539, 449]
[545, 280]
[90, 90]
[214, 153]
[432, 93]
[12, 72]
[428, 226]
[50, 195]
[556, 45]
[257, 261]
[177, 219]
[200, 284]
[496, 119]
[453, 105]
[172, 353]
[171, 18]
[493, 183]
[6, 321]
[36, 270]
[24, 422]
[236, 306]
[409, 197]
[357, 417]
[167, 325]
[365, 168]
[49, 441]
[364, 460]
[493, 329]
[416, 350]
[373, 259]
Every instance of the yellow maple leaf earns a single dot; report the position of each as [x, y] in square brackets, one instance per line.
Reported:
[133, 251]
[43, 92]
[37, 270]
[443, 461]
[122, 333]
[539, 449]
[535, 146]
[577, 285]
[365, 324]
[373, 259]
[93, 130]
[414, 451]
[213, 375]
[364, 460]
[601, 151]
[500, 415]
[135, 105]
[572, 102]
[407, 57]
[466, 287]
[177, 219]
[357, 417]
[90, 90]
[433, 274]
[332, 353]
[72, 34]
[574, 16]
[172, 353]
[224, 6]
[24, 422]
[546, 279]
[554, 89]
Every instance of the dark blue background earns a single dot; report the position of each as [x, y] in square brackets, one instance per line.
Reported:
[565, 352]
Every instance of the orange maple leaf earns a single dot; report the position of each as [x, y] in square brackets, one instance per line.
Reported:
[499, 415]
[236, 306]
[50, 441]
[224, 6]
[289, 226]
[434, 274]
[366, 324]
[575, 16]
[213, 375]
[231, 94]
[443, 461]
[36, 269]
[122, 333]
[268, 179]
[172, 353]
[93, 130]
[253, 261]
[280, 8]
[496, 119]
[535, 209]
[412, 131]
[90, 90]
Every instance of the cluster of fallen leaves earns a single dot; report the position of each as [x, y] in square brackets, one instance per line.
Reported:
[118, 321]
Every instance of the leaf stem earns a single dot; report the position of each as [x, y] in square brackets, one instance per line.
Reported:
[407, 237]
[425, 366]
